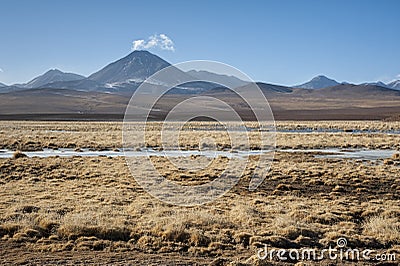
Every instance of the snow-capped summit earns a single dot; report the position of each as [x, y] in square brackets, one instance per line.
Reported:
[138, 65]
[395, 84]
[377, 83]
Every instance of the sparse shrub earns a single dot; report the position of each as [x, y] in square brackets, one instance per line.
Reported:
[384, 229]
[20, 237]
[54, 237]
[218, 246]
[396, 156]
[176, 234]
[47, 225]
[198, 239]
[76, 231]
[284, 187]
[71, 145]
[19, 154]
[9, 229]
[306, 241]
[114, 234]
[388, 162]
[149, 243]
[101, 244]
[279, 242]
[28, 209]
[243, 238]
[291, 232]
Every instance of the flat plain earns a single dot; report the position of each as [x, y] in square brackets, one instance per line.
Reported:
[89, 209]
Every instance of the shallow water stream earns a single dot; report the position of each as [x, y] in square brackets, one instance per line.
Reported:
[365, 154]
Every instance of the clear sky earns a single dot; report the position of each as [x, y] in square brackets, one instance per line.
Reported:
[284, 42]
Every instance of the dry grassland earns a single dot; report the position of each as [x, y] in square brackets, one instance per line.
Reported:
[90, 209]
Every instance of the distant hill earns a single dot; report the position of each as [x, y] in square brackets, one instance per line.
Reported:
[346, 91]
[230, 81]
[318, 82]
[53, 75]
[265, 88]
[79, 85]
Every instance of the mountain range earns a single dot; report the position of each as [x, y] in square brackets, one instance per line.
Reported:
[127, 73]
[123, 76]
[107, 92]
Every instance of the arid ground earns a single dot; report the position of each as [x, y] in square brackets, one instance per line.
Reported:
[89, 209]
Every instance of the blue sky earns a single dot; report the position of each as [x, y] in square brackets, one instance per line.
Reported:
[284, 42]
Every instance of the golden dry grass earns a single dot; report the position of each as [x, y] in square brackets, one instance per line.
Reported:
[30, 135]
[94, 204]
